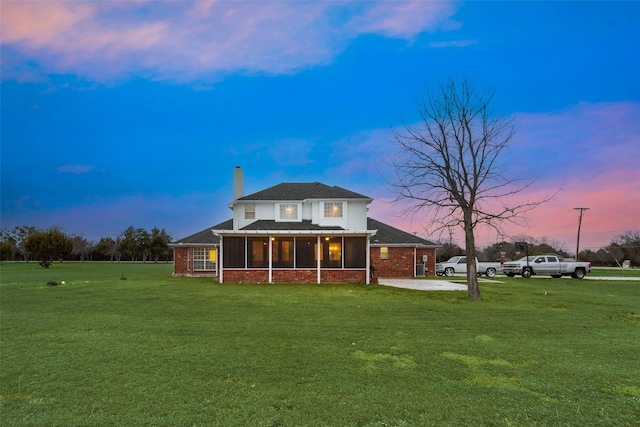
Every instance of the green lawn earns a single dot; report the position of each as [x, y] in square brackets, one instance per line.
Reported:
[154, 350]
[615, 272]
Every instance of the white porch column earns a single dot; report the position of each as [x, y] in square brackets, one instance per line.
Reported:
[270, 259]
[221, 269]
[368, 263]
[318, 256]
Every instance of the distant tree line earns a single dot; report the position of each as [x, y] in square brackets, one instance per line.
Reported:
[626, 246]
[27, 243]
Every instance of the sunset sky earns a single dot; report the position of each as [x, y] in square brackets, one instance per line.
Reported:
[117, 114]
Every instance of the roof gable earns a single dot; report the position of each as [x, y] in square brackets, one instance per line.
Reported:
[302, 191]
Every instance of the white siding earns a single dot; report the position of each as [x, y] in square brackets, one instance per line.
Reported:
[354, 213]
[308, 210]
[357, 218]
[263, 211]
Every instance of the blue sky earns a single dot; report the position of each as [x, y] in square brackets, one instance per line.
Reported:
[135, 113]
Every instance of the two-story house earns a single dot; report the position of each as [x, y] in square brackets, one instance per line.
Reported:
[301, 233]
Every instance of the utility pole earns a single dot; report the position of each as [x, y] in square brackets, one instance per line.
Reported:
[579, 225]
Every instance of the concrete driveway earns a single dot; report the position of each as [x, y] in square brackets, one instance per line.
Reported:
[444, 285]
[422, 284]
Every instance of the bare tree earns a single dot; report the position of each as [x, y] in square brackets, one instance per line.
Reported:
[81, 247]
[448, 164]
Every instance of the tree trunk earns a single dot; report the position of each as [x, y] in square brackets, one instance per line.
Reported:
[470, 245]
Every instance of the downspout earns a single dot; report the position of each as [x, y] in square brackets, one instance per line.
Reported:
[415, 262]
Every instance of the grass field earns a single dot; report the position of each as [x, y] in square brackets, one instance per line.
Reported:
[153, 350]
[615, 272]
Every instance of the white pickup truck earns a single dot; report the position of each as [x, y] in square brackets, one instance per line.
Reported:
[548, 264]
[458, 264]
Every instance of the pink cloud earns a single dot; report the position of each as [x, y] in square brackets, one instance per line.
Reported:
[588, 151]
[190, 40]
[584, 139]
[405, 19]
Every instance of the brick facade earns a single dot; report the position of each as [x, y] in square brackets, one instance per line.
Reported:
[183, 264]
[401, 261]
[294, 276]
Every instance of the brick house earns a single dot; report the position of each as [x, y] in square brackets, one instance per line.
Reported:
[301, 233]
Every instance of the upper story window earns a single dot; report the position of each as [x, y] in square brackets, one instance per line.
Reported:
[333, 209]
[288, 211]
[250, 211]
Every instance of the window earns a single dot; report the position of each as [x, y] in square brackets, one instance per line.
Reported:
[384, 252]
[250, 211]
[333, 209]
[282, 255]
[355, 252]
[233, 252]
[288, 211]
[204, 258]
[258, 252]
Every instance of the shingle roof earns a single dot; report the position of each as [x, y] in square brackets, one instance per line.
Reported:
[386, 235]
[206, 236]
[276, 225]
[302, 191]
[390, 235]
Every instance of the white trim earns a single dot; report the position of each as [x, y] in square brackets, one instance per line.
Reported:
[298, 232]
[190, 245]
[221, 260]
[404, 245]
[319, 253]
[270, 251]
[368, 263]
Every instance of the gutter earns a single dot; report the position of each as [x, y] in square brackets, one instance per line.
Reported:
[297, 232]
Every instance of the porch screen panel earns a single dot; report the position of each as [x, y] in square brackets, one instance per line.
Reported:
[258, 256]
[331, 252]
[282, 256]
[233, 252]
[306, 252]
[355, 252]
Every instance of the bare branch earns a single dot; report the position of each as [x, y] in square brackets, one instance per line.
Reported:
[448, 166]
